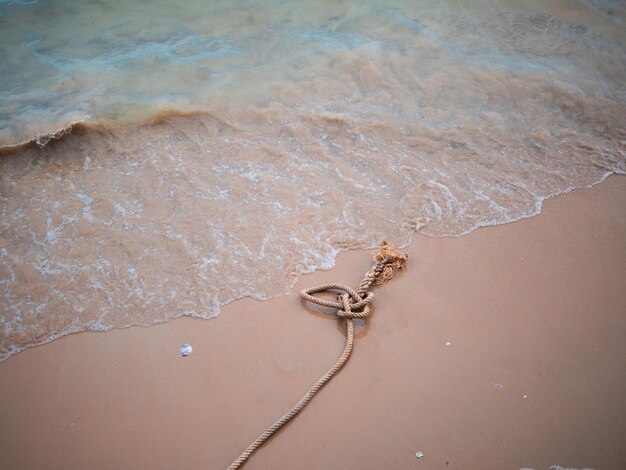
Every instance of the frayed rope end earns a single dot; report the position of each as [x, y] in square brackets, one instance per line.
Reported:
[393, 262]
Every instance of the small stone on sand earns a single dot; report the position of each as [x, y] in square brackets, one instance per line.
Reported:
[185, 350]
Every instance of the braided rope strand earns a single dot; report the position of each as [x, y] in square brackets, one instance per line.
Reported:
[303, 401]
[350, 304]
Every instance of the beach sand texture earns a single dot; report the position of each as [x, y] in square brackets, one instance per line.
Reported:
[501, 349]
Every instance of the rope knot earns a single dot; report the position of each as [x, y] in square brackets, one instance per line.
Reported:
[349, 303]
[355, 309]
[352, 303]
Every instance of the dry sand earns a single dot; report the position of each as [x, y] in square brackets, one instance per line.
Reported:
[502, 349]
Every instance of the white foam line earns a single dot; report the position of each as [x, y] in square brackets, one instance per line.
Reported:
[42, 139]
[539, 200]
[324, 264]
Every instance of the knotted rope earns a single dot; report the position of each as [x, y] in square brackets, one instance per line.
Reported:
[350, 304]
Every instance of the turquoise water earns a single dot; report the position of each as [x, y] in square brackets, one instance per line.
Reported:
[112, 62]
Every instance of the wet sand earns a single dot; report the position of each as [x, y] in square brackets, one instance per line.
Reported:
[504, 348]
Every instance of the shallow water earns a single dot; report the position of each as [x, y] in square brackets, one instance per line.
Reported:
[227, 147]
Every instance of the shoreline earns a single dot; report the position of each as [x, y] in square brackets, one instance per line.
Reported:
[530, 377]
[539, 207]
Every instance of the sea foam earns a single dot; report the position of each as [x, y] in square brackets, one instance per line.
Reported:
[226, 149]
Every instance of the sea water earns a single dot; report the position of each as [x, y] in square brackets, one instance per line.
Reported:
[162, 159]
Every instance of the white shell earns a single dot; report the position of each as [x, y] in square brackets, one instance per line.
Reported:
[185, 350]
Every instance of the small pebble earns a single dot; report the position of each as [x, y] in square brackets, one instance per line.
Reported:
[419, 454]
[448, 343]
[185, 350]
[498, 386]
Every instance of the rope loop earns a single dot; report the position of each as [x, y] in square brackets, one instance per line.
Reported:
[349, 303]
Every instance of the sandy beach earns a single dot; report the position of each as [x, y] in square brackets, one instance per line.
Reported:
[501, 349]
[175, 173]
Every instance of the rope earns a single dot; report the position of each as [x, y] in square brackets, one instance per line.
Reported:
[350, 304]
